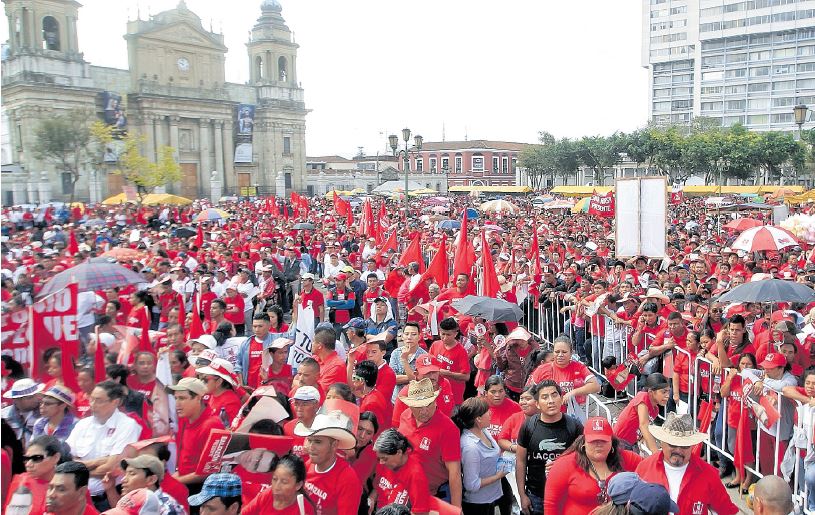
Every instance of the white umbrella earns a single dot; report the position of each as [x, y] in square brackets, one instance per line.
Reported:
[766, 237]
[498, 206]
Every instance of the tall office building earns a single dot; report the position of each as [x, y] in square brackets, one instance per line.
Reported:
[737, 61]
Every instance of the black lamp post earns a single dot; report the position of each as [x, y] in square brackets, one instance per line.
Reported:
[393, 140]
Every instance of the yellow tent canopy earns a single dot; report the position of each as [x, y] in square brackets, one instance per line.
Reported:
[150, 199]
[580, 191]
[490, 189]
[421, 191]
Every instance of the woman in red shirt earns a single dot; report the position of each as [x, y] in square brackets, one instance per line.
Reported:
[279, 374]
[28, 490]
[285, 496]
[731, 392]
[684, 367]
[574, 378]
[234, 309]
[219, 377]
[632, 424]
[501, 407]
[508, 436]
[363, 458]
[400, 477]
[578, 480]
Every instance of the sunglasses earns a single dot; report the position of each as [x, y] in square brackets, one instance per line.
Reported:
[35, 458]
[46, 403]
[357, 378]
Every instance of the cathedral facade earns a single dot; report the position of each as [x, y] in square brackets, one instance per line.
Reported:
[244, 138]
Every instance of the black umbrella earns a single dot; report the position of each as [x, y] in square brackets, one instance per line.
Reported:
[304, 226]
[770, 290]
[494, 310]
[185, 232]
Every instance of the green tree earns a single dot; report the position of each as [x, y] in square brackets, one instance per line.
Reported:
[598, 153]
[640, 147]
[143, 173]
[703, 154]
[667, 158]
[549, 158]
[64, 140]
[778, 154]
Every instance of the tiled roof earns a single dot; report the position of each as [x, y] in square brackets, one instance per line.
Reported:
[473, 143]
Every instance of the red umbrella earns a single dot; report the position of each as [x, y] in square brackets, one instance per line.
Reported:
[742, 224]
[766, 237]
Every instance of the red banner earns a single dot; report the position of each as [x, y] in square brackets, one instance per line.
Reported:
[14, 336]
[676, 196]
[54, 324]
[602, 205]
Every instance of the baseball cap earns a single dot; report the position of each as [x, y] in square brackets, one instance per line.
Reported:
[426, 364]
[597, 429]
[774, 360]
[137, 502]
[348, 269]
[307, 393]
[620, 486]
[354, 323]
[652, 498]
[207, 340]
[307, 275]
[148, 462]
[381, 299]
[189, 384]
[217, 485]
[341, 277]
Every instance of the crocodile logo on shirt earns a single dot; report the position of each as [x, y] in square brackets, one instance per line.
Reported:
[550, 444]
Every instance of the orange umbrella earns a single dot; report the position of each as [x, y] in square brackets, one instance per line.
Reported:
[783, 192]
[125, 254]
[742, 224]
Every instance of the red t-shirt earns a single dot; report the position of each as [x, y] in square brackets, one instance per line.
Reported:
[500, 414]
[313, 299]
[627, 427]
[255, 360]
[648, 335]
[365, 463]
[336, 491]
[332, 370]
[453, 360]
[665, 333]
[376, 403]
[281, 380]
[27, 484]
[386, 380]
[434, 443]
[512, 426]
[234, 316]
[263, 503]
[176, 489]
[191, 439]
[298, 447]
[571, 377]
[682, 366]
[145, 389]
[406, 486]
[228, 400]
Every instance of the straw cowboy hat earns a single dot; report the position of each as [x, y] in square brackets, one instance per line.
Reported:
[678, 431]
[420, 394]
[657, 294]
[333, 424]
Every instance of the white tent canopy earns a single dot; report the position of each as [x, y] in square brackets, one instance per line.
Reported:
[396, 187]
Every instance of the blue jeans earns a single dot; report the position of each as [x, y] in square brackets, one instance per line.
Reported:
[809, 480]
[443, 492]
[536, 502]
[578, 336]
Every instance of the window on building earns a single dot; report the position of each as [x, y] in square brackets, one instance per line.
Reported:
[737, 58]
[712, 90]
[727, 121]
[782, 118]
[282, 69]
[514, 164]
[711, 106]
[478, 163]
[784, 102]
[458, 164]
[783, 69]
[735, 90]
[805, 67]
[806, 84]
[258, 68]
[735, 105]
[708, 76]
[737, 73]
[419, 164]
[759, 71]
[755, 87]
[50, 33]
[758, 119]
[67, 183]
[781, 85]
[287, 180]
[758, 103]
[681, 104]
[762, 55]
[286, 145]
[494, 165]
[445, 163]
[662, 106]
[504, 165]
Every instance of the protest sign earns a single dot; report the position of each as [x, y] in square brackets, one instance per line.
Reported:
[253, 451]
[303, 337]
[602, 205]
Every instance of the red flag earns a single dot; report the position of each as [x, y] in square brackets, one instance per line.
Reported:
[339, 205]
[53, 324]
[743, 454]
[196, 327]
[349, 215]
[489, 279]
[413, 253]
[676, 195]
[534, 254]
[393, 282]
[439, 268]
[366, 225]
[73, 247]
[705, 416]
[465, 255]
[144, 337]
[199, 237]
[273, 207]
[390, 243]
[99, 361]
[602, 205]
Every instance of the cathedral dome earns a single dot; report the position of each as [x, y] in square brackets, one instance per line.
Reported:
[271, 5]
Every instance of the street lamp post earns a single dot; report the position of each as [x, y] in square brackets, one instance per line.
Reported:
[405, 153]
[800, 112]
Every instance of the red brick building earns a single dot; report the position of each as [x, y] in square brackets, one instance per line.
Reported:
[469, 163]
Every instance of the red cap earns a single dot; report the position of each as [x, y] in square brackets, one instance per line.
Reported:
[774, 360]
[426, 364]
[597, 429]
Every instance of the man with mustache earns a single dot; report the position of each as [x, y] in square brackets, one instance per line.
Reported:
[694, 485]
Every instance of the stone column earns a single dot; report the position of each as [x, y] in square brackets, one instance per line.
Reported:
[149, 139]
[32, 19]
[204, 167]
[158, 123]
[45, 188]
[229, 156]
[280, 185]
[32, 187]
[18, 188]
[94, 185]
[269, 73]
[174, 134]
[219, 148]
[215, 186]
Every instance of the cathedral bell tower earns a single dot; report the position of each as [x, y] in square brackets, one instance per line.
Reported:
[272, 50]
[43, 27]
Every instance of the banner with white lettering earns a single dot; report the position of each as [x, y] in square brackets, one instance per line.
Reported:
[602, 205]
[54, 324]
[14, 336]
[303, 336]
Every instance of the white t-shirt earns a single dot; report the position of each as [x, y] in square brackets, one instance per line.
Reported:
[674, 475]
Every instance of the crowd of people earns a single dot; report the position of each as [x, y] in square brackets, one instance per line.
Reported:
[392, 400]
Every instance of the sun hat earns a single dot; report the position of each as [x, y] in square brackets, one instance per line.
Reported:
[281, 343]
[307, 275]
[137, 502]
[204, 359]
[220, 367]
[519, 333]
[597, 429]
[217, 485]
[207, 340]
[678, 431]
[306, 393]
[774, 360]
[341, 277]
[189, 384]
[652, 498]
[420, 394]
[148, 462]
[656, 294]
[333, 424]
[62, 394]
[23, 388]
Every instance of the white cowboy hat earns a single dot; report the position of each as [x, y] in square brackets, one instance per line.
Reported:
[678, 431]
[23, 388]
[657, 294]
[333, 424]
[220, 368]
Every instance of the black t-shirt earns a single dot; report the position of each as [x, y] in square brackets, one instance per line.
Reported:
[545, 441]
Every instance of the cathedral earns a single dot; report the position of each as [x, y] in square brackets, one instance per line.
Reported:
[245, 138]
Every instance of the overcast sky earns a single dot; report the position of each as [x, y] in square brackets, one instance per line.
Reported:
[500, 70]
